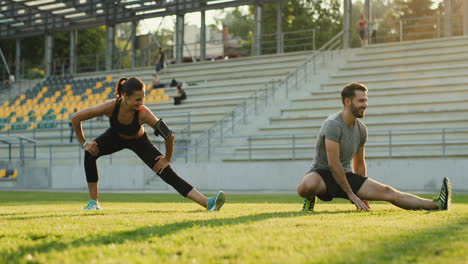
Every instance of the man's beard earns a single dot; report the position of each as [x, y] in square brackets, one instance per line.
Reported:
[355, 111]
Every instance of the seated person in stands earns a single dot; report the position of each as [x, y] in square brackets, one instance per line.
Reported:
[10, 80]
[173, 83]
[180, 96]
[156, 82]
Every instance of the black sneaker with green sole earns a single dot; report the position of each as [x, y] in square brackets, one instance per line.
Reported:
[445, 195]
[309, 204]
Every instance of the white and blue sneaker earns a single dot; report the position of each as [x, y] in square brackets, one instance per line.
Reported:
[93, 205]
[216, 202]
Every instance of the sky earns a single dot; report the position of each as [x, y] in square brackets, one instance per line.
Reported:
[194, 19]
[190, 19]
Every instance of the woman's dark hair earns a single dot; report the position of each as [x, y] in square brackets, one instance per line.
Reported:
[128, 86]
[350, 89]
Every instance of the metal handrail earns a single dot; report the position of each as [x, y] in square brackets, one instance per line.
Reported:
[253, 101]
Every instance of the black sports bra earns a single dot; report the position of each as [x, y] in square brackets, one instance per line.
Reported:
[128, 130]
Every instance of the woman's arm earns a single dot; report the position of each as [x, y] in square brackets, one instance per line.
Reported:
[162, 161]
[88, 113]
[151, 119]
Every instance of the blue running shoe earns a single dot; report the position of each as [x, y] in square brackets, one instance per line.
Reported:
[216, 202]
[92, 205]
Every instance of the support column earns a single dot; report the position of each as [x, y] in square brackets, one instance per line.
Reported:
[110, 35]
[465, 18]
[179, 48]
[134, 28]
[73, 40]
[257, 45]
[17, 72]
[279, 28]
[447, 18]
[202, 36]
[346, 23]
[368, 18]
[49, 51]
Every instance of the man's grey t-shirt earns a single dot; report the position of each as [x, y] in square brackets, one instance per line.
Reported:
[349, 138]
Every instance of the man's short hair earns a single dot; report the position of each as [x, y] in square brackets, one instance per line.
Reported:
[349, 91]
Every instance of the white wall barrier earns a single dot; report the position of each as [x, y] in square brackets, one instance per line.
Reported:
[424, 175]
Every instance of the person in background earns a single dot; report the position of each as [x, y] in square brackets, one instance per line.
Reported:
[156, 82]
[361, 25]
[160, 61]
[180, 96]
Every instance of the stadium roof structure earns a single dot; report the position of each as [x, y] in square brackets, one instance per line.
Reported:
[20, 18]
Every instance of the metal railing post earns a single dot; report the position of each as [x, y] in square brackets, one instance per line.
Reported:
[61, 131]
[294, 146]
[245, 112]
[232, 121]
[390, 143]
[401, 30]
[443, 142]
[221, 131]
[250, 148]
[189, 125]
[50, 155]
[79, 155]
[196, 151]
[209, 145]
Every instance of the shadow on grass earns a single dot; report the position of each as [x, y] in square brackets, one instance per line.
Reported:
[144, 233]
[15, 217]
[405, 248]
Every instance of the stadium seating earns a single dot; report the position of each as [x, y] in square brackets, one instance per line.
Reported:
[54, 99]
[417, 106]
[8, 174]
[213, 89]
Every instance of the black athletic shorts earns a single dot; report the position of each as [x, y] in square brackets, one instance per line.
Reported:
[333, 189]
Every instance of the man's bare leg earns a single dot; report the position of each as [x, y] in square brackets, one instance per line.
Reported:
[311, 184]
[375, 191]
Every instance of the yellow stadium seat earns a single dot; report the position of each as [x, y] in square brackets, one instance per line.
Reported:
[45, 89]
[2, 173]
[31, 126]
[26, 119]
[6, 103]
[14, 175]
[98, 85]
[164, 98]
[108, 78]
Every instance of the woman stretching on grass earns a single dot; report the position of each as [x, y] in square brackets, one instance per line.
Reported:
[127, 114]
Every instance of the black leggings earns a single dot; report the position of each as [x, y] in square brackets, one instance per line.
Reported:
[111, 142]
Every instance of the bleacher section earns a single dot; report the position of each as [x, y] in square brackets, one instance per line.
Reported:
[418, 95]
[8, 174]
[213, 89]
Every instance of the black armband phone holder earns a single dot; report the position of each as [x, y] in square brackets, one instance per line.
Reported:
[162, 129]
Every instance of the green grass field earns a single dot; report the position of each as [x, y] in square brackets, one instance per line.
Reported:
[46, 227]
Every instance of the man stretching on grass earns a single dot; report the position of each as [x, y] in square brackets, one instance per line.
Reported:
[341, 139]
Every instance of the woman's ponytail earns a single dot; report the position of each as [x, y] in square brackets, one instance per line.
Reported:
[120, 89]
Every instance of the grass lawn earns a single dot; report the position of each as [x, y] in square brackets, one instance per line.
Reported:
[43, 227]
